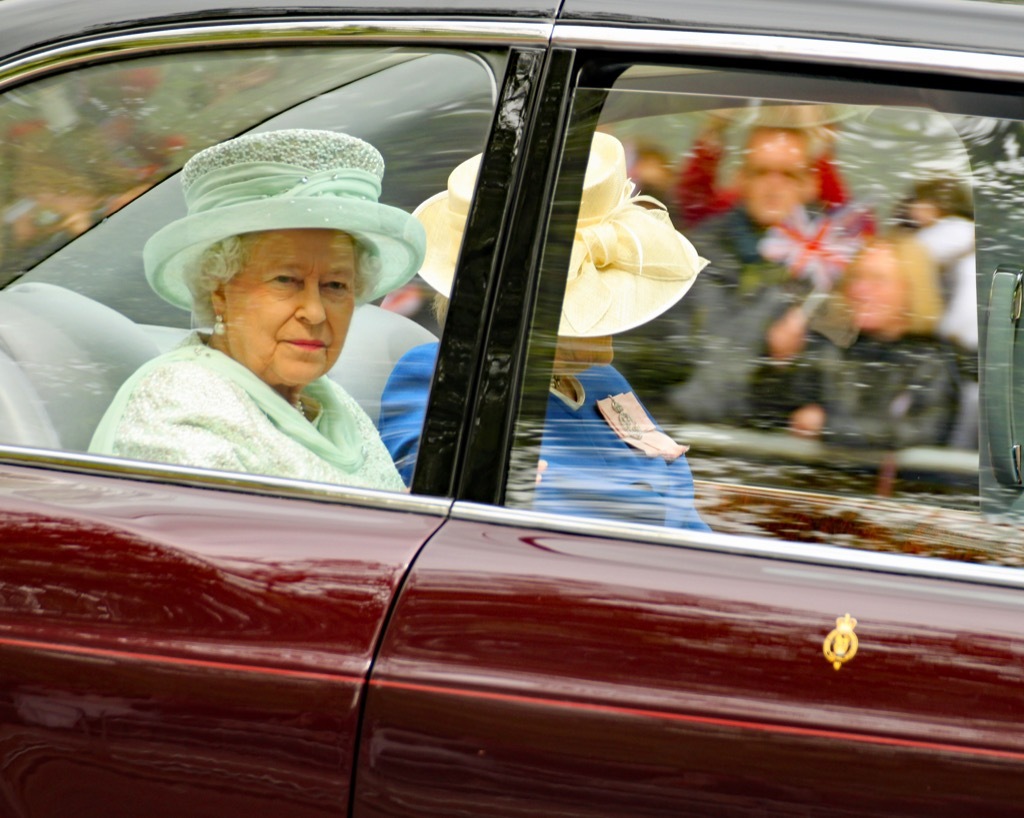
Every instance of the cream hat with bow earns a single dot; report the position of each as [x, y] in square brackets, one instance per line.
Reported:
[628, 263]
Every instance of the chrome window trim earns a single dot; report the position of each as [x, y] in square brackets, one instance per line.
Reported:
[744, 545]
[165, 474]
[417, 33]
[775, 47]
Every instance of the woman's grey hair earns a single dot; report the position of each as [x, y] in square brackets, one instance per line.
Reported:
[222, 261]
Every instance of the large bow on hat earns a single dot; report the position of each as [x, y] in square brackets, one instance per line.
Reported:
[627, 267]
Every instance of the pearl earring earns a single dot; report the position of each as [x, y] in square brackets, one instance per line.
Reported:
[218, 325]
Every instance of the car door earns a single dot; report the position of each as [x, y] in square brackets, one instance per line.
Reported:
[178, 640]
[845, 640]
[170, 649]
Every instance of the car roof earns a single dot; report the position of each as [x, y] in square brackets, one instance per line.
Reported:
[971, 25]
[29, 24]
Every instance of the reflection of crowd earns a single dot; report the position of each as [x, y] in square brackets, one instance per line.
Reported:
[75, 155]
[779, 333]
[891, 383]
[769, 268]
[700, 191]
[941, 215]
[78, 149]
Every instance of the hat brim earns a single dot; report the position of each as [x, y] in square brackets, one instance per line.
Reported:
[392, 241]
[444, 240]
[637, 301]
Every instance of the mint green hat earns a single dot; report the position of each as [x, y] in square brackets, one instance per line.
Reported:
[280, 180]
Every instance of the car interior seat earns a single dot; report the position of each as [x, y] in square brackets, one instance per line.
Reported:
[63, 356]
[377, 338]
[23, 417]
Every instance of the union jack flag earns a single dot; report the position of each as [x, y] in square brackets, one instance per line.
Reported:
[818, 249]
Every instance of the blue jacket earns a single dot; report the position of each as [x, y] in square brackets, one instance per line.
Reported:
[590, 471]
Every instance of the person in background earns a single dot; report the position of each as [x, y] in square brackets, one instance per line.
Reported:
[601, 454]
[701, 193]
[940, 213]
[943, 220]
[651, 170]
[774, 256]
[284, 236]
[893, 383]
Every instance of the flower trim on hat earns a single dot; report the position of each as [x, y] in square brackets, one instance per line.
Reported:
[314, 151]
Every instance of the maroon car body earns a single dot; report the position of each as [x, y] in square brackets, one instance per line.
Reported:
[161, 644]
[182, 642]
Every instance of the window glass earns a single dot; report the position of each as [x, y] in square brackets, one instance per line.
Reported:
[818, 378]
[79, 146]
[191, 101]
[89, 173]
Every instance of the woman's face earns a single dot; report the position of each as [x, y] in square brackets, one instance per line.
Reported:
[923, 213]
[288, 310]
[776, 177]
[573, 355]
[877, 292]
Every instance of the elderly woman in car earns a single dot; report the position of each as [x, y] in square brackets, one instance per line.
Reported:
[284, 237]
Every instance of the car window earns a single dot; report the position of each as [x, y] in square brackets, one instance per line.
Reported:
[805, 365]
[79, 146]
[90, 171]
[192, 102]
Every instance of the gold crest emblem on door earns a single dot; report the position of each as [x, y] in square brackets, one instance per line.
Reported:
[841, 643]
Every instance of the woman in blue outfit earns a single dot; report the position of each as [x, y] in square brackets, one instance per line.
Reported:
[601, 454]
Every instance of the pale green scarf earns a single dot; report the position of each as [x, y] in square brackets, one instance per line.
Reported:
[335, 438]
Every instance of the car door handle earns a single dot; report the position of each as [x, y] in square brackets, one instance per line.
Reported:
[997, 383]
